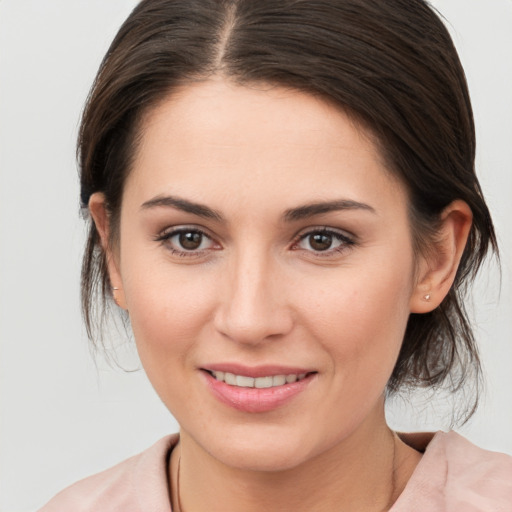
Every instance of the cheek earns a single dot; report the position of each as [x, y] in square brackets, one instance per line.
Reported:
[168, 310]
[167, 318]
[361, 315]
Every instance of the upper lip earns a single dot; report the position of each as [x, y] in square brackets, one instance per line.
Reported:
[256, 371]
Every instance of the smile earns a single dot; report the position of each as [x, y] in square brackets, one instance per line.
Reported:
[269, 381]
[257, 390]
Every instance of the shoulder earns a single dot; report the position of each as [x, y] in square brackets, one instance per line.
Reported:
[456, 475]
[136, 484]
[464, 458]
[470, 467]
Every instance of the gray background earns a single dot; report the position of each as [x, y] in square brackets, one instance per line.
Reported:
[62, 416]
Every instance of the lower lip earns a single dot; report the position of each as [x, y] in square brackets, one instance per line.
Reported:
[256, 399]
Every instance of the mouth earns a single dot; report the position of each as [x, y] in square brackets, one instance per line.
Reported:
[257, 390]
[264, 382]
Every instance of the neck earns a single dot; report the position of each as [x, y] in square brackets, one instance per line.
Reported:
[367, 471]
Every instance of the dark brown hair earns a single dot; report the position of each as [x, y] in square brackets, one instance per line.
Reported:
[390, 64]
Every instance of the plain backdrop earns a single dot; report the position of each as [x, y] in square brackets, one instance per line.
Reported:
[62, 416]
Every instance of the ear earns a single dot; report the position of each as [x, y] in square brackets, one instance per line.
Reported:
[437, 269]
[101, 218]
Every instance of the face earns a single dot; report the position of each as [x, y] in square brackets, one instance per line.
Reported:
[265, 259]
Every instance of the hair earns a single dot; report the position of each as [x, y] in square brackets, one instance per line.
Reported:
[391, 65]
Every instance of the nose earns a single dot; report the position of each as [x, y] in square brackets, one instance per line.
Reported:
[254, 306]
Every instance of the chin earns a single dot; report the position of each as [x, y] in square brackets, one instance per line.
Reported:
[266, 448]
[270, 457]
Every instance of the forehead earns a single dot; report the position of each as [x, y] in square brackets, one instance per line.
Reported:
[252, 115]
[255, 141]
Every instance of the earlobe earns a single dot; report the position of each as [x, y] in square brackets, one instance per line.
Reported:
[439, 267]
[101, 219]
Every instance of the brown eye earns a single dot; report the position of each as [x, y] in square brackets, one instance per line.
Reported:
[325, 241]
[190, 240]
[320, 241]
[187, 241]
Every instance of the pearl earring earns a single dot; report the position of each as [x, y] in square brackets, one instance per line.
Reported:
[427, 297]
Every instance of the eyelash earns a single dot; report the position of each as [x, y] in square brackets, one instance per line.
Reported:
[345, 241]
[166, 236]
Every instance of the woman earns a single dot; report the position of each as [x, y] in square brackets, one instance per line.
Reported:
[283, 201]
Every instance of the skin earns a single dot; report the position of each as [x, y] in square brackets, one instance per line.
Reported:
[259, 292]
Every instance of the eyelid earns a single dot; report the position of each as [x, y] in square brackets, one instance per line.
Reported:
[347, 238]
[343, 233]
[171, 231]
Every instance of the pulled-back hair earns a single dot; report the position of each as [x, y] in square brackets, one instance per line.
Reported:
[390, 64]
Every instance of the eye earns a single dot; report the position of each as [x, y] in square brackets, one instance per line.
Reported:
[186, 241]
[190, 240]
[320, 241]
[324, 240]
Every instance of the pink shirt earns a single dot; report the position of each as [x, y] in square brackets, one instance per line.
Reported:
[453, 476]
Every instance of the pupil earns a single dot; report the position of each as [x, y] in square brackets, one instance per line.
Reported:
[321, 242]
[190, 240]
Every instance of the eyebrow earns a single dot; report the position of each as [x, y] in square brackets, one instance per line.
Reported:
[184, 205]
[310, 210]
[291, 215]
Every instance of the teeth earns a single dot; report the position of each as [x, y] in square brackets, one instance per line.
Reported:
[230, 379]
[263, 382]
[259, 382]
[278, 380]
[244, 382]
